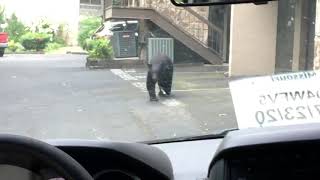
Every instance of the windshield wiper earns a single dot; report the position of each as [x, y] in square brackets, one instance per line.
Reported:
[217, 135]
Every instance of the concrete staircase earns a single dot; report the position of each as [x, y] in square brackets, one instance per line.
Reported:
[183, 24]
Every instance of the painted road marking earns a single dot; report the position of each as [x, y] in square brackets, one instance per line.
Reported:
[129, 70]
[172, 102]
[123, 75]
[141, 77]
[140, 85]
[97, 134]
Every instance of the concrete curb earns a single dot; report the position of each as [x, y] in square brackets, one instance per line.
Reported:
[129, 63]
[24, 53]
[188, 64]
[113, 64]
[203, 67]
[77, 53]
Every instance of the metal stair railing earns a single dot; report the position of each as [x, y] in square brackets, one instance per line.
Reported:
[186, 19]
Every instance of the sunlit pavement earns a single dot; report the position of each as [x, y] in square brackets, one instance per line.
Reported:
[55, 96]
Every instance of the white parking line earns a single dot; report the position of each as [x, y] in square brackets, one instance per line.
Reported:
[129, 70]
[123, 75]
[140, 85]
[97, 134]
[172, 102]
[141, 77]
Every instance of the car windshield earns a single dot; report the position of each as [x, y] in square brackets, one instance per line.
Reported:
[141, 70]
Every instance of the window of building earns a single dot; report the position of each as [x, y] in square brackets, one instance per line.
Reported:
[96, 2]
[85, 1]
[93, 2]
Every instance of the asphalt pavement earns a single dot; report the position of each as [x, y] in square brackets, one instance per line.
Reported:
[55, 96]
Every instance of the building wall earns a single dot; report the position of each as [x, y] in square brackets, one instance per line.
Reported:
[253, 39]
[90, 10]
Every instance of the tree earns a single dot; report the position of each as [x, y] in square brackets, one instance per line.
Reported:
[2, 17]
[15, 28]
[87, 28]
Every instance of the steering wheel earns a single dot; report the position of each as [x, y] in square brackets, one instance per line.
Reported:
[15, 149]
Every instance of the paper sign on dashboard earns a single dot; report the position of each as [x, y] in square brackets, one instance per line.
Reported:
[284, 99]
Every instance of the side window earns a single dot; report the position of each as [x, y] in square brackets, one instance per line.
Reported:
[217, 171]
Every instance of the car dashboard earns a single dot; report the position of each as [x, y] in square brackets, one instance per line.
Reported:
[115, 160]
[266, 153]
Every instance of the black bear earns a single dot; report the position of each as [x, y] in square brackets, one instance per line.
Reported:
[161, 72]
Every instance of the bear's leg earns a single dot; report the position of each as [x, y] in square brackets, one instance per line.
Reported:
[151, 87]
[161, 93]
[165, 81]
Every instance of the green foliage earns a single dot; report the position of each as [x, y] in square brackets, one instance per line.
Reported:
[2, 16]
[12, 46]
[53, 46]
[15, 28]
[43, 27]
[87, 28]
[99, 48]
[39, 37]
[59, 36]
[89, 44]
[15, 46]
[35, 41]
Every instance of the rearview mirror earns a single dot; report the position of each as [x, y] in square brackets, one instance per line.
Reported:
[215, 2]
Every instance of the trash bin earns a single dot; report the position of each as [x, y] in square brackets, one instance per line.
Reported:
[160, 46]
[125, 44]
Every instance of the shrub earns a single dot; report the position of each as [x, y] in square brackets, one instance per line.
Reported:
[53, 46]
[35, 41]
[15, 28]
[87, 28]
[13, 46]
[89, 44]
[99, 48]
[20, 47]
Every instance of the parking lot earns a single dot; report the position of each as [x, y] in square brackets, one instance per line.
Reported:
[55, 96]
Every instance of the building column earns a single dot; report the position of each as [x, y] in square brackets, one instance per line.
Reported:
[142, 43]
[317, 39]
[303, 35]
[297, 36]
[253, 39]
